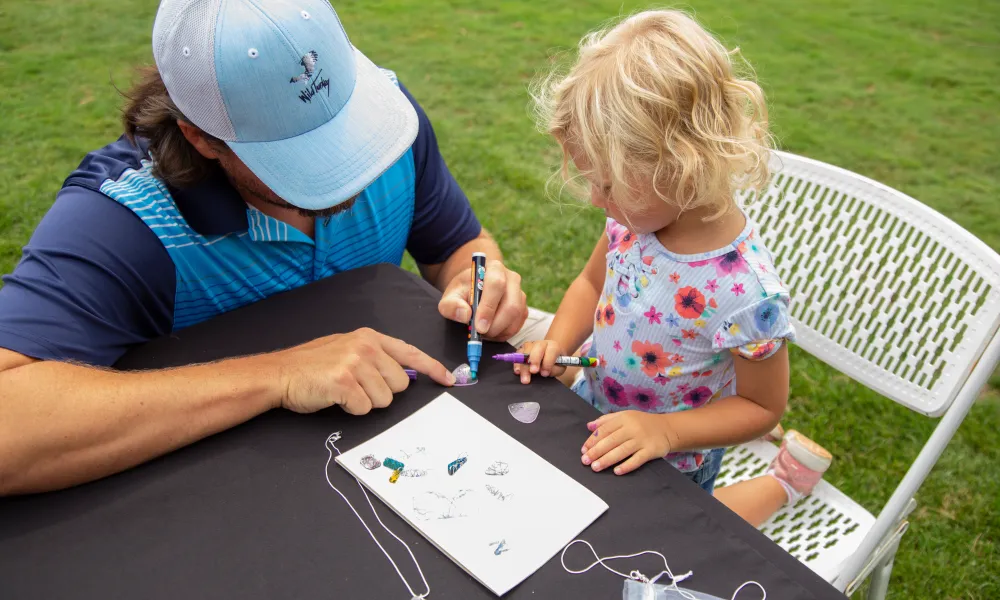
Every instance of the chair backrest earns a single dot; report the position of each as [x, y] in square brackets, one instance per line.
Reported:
[884, 289]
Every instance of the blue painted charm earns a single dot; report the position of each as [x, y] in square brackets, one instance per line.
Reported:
[454, 465]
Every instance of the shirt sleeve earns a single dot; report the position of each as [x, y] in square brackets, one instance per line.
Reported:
[443, 219]
[756, 332]
[92, 282]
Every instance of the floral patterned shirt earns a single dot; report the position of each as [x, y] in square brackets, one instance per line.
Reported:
[667, 326]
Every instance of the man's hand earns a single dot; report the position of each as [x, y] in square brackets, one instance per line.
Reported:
[359, 371]
[637, 436]
[503, 307]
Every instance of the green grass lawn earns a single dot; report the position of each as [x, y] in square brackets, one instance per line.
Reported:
[905, 94]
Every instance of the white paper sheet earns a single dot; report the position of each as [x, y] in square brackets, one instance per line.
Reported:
[503, 493]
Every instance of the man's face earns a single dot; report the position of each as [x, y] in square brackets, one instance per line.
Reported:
[249, 185]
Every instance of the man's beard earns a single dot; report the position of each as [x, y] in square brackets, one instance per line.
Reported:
[246, 183]
[276, 201]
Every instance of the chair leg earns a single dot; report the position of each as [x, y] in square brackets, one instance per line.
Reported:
[880, 576]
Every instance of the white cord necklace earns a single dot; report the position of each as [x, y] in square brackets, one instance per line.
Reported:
[331, 445]
[636, 575]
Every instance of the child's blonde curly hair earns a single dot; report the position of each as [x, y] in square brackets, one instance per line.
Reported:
[656, 101]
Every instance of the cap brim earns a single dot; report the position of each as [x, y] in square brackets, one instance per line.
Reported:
[336, 161]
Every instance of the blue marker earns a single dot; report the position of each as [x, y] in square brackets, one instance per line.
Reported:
[475, 347]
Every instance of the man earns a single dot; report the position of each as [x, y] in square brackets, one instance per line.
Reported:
[264, 152]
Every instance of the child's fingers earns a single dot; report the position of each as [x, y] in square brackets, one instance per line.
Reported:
[597, 436]
[549, 359]
[525, 374]
[603, 446]
[536, 355]
[592, 440]
[615, 455]
[596, 423]
[600, 429]
[519, 369]
[634, 462]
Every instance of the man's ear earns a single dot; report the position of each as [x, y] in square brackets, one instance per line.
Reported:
[197, 138]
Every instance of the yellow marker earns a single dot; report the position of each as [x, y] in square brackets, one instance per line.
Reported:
[395, 475]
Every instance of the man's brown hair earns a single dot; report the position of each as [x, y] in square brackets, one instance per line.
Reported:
[151, 114]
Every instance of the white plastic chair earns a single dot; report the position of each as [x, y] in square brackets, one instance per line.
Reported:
[899, 298]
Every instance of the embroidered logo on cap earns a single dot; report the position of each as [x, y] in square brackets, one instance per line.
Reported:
[312, 77]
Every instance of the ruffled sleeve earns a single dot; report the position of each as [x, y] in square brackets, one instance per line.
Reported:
[756, 332]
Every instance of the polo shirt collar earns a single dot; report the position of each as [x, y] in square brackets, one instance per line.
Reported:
[212, 207]
[215, 207]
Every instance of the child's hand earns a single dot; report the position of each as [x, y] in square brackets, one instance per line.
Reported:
[631, 434]
[541, 359]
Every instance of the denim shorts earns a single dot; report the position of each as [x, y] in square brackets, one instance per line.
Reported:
[706, 474]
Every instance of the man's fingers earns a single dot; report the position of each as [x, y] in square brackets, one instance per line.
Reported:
[354, 400]
[494, 286]
[392, 372]
[371, 380]
[615, 455]
[512, 312]
[411, 356]
[454, 304]
[511, 330]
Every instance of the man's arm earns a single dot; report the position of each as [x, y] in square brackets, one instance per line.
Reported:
[63, 424]
[90, 285]
[444, 235]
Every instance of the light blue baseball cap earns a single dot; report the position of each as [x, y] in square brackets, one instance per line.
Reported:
[281, 84]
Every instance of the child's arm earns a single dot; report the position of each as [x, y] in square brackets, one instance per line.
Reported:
[760, 400]
[574, 320]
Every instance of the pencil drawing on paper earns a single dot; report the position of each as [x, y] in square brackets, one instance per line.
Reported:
[498, 467]
[408, 455]
[502, 497]
[414, 472]
[435, 505]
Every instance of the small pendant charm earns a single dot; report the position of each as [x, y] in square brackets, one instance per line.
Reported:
[454, 465]
[525, 412]
[369, 462]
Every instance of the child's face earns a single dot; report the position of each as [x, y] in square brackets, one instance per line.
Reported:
[645, 213]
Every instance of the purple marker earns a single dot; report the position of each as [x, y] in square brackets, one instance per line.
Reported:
[565, 361]
[412, 374]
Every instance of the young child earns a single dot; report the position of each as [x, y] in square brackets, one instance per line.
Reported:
[680, 298]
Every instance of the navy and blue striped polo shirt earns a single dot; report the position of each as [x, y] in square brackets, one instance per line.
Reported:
[122, 258]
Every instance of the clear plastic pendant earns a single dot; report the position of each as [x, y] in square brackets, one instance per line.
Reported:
[525, 412]
[463, 375]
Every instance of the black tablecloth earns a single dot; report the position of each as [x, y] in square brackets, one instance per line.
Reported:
[248, 514]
